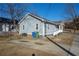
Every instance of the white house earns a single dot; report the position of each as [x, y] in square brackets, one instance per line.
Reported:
[6, 25]
[31, 23]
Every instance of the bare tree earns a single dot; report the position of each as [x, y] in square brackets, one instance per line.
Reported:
[15, 12]
[72, 14]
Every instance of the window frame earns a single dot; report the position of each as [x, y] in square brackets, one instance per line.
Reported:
[36, 26]
[23, 27]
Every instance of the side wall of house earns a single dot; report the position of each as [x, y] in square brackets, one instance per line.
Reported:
[28, 25]
[5, 27]
[50, 29]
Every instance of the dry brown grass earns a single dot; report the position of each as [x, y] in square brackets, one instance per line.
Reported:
[4, 38]
[10, 37]
[14, 36]
[9, 49]
[66, 38]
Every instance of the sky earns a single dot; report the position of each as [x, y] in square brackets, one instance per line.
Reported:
[50, 11]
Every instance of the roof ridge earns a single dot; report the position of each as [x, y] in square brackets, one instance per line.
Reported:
[39, 18]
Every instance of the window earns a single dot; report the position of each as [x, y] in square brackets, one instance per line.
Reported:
[23, 27]
[0, 27]
[37, 26]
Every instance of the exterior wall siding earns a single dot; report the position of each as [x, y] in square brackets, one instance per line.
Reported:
[50, 29]
[5, 27]
[29, 24]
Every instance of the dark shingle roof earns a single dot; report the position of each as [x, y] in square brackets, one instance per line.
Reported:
[6, 20]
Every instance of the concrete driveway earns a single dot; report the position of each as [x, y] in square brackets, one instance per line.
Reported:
[75, 44]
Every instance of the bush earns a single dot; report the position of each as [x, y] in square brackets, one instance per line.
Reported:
[24, 34]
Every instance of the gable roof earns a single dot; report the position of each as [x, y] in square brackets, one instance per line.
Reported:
[38, 18]
[4, 20]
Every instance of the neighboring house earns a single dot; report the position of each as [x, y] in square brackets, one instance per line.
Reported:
[6, 25]
[31, 23]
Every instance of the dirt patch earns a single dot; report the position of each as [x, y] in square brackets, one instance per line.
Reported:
[24, 41]
[27, 37]
[38, 43]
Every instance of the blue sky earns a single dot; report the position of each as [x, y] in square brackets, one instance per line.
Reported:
[54, 11]
[49, 11]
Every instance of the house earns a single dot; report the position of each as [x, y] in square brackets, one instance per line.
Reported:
[6, 25]
[33, 23]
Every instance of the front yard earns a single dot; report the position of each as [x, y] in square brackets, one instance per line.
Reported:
[19, 45]
[10, 49]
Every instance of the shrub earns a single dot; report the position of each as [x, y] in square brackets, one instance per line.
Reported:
[24, 34]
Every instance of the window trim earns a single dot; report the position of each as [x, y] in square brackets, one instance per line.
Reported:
[23, 27]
